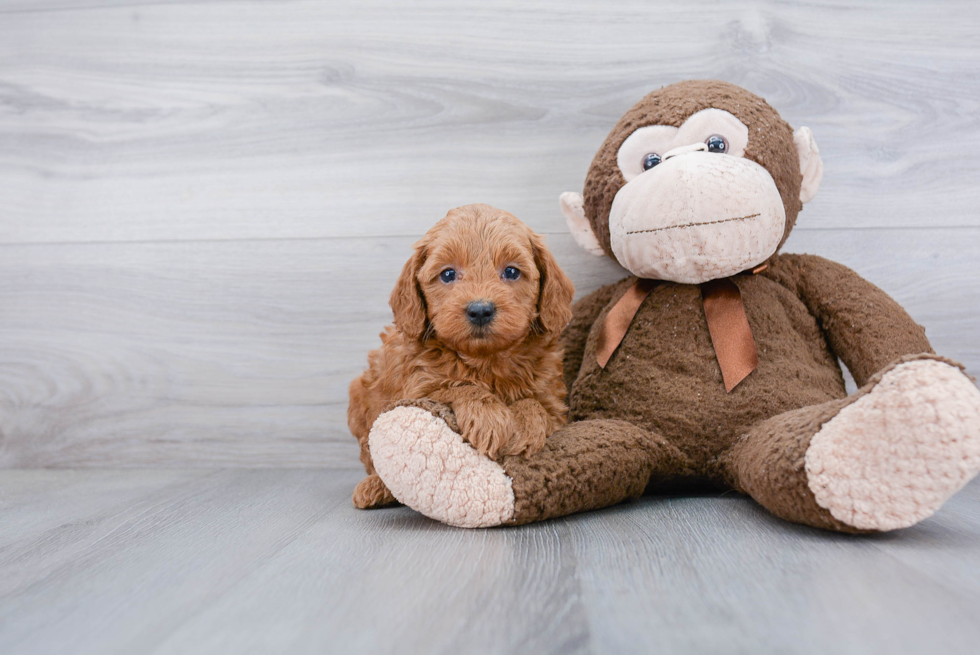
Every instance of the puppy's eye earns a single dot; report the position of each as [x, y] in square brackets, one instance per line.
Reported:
[447, 275]
[717, 143]
[511, 273]
[650, 160]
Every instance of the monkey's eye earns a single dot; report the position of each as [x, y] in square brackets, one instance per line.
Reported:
[650, 160]
[717, 143]
[447, 275]
[511, 273]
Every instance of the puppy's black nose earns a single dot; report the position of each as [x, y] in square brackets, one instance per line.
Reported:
[480, 312]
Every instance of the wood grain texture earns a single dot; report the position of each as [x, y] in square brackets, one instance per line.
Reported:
[278, 561]
[216, 120]
[240, 352]
[204, 204]
[203, 207]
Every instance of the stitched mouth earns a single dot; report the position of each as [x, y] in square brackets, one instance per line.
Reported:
[677, 227]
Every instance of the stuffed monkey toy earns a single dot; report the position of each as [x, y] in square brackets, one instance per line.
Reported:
[716, 363]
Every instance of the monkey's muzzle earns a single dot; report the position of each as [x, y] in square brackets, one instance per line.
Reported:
[695, 217]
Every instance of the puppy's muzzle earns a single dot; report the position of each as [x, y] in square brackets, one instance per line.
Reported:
[480, 312]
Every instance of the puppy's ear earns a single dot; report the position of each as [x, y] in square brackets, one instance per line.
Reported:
[407, 302]
[557, 291]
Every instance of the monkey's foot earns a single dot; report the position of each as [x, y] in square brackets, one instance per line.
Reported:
[894, 456]
[429, 467]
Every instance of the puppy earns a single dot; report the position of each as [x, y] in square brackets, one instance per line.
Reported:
[478, 311]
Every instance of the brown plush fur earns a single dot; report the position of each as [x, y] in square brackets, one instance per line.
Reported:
[664, 379]
[577, 472]
[503, 381]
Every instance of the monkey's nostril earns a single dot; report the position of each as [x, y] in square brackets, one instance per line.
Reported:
[480, 312]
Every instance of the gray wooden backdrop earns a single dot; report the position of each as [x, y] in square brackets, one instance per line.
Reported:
[204, 205]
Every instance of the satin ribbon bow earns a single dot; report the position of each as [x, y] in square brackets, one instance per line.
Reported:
[730, 333]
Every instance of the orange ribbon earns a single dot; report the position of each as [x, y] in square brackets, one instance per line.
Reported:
[730, 332]
[728, 326]
[619, 318]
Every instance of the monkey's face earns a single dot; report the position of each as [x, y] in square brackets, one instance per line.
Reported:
[698, 181]
[693, 208]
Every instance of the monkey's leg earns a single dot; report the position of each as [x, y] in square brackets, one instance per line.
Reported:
[885, 458]
[587, 465]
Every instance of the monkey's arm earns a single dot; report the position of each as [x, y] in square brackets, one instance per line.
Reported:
[864, 326]
[584, 314]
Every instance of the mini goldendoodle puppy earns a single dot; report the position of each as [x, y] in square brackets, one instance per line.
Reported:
[478, 311]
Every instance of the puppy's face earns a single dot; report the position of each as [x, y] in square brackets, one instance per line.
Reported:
[481, 277]
[480, 285]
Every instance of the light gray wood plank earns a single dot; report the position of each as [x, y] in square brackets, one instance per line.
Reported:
[278, 561]
[60, 6]
[239, 353]
[745, 581]
[310, 119]
[935, 547]
[143, 565]
[33, 503]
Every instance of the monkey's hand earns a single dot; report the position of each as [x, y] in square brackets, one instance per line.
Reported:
[533, 427]
[484, 420]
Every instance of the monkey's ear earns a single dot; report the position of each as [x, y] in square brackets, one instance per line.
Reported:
[557, 291]
[407, 302]
[572, 206]
[811, 166]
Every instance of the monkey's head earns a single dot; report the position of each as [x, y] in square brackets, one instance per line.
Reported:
[700, 180]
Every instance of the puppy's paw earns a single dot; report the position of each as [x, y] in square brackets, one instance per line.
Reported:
[371, 493]
[487, 424]
[531, 423]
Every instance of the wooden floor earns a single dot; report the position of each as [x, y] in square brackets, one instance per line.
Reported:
[251, 561]
[204, 205]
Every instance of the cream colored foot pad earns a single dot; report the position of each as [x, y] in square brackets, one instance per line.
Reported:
[431, 469]
[894, 456]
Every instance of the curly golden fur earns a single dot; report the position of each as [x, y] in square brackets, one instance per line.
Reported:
[502, 379]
